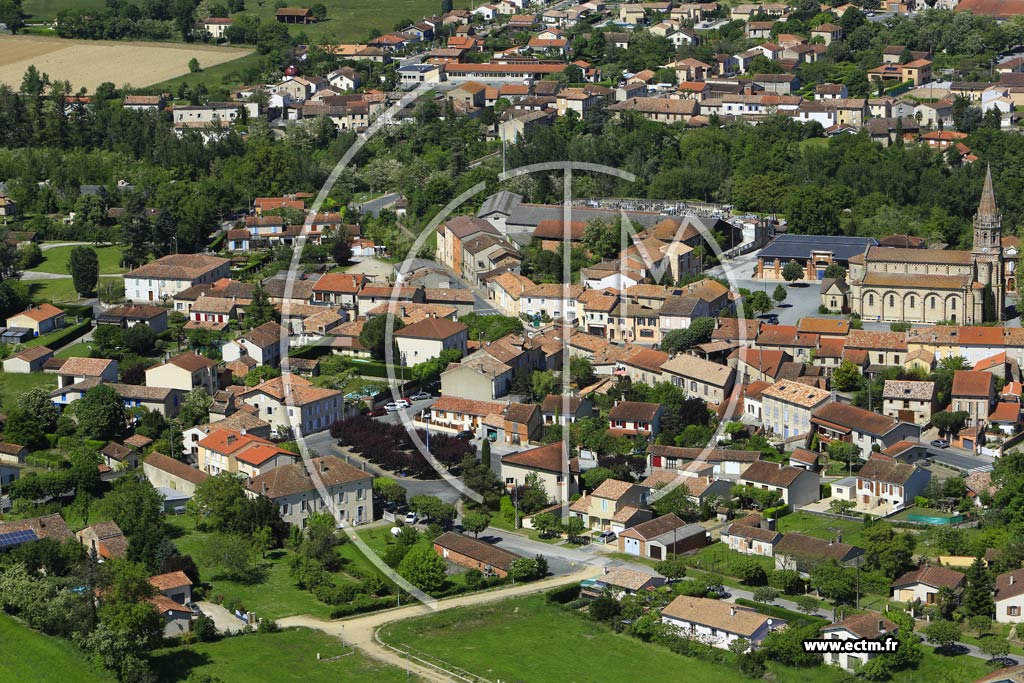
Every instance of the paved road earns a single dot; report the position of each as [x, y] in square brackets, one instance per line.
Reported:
[959, 458]
[374, 206]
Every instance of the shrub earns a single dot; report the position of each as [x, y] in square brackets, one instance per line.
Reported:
[565, 594]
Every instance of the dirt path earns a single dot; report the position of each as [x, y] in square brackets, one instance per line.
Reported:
[361, 631]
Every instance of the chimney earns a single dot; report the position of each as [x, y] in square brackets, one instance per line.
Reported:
[231, 439]
[265, 488]
[323, 466]
[881, 626]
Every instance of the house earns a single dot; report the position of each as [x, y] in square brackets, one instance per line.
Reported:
[802, 553]
[620, 581]
[143, 102]
[174, 585]
[924, 583]
[167, 473]
[974, 392]
[262, 344]
[29, 360]
[468, 552]
[796, 486]
[130, 315]
[514, 425]
[614, 505]
[635, 418]
[909, 400]
[563, 410]
[866, 429]
[294, 491]
[12, 453]
[558, 474]
[216, 26]
[700, 378]
[556, 301]
[429, 338]
[226, 450]
[166, 276]
[716, 622]
[658, 538]
[291, 401]
[452, 414]
[1009, 597]
[173, 592]
[886, 486]
[186, 371]
[725, 462]
[163, 400]
[41, 319]
[105, 541]
[828, 32]
[119, 456]
[75, 370]
[788, 406]
[809, 460]
[858, 627]
[750, 538]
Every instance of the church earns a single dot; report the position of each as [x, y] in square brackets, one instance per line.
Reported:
[890, 284]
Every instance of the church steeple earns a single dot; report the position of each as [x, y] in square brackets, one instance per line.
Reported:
[988, 221]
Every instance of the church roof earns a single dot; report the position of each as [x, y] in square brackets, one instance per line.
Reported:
[898, 255]
[916, 281]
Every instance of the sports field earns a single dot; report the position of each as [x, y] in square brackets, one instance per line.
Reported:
[87, 63]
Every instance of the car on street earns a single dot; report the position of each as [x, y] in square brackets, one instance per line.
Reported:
[392, 407]
[377, 412]
[464, 434]
[940, 443]
[421, 396]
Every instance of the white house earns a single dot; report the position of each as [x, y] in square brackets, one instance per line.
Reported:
[865, 626]
[1009, 597]
[557, 301]
[166, 276]
[716, 622]
[262, 344]
[796, 486]
[924, 584]
[428, 338]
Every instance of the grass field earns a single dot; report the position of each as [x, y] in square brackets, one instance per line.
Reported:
[56, 260]
[821, 527]
[32, 656]
[46, 10]
[14, 385]
[351, 20]
[87, 63]
[224, 74]
[58, 291]
[271, 658]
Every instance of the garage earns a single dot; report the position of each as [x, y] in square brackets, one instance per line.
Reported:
[631, 546]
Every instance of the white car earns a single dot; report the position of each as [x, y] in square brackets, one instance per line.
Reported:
[392, 407]
[410, 517]
[404, 402]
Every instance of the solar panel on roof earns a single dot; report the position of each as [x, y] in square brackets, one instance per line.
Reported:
[17, 538]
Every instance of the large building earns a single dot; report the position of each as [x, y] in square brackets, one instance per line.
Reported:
[930, 285]
[171, 274]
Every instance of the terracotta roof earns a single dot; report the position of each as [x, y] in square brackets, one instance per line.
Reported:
[476, 549]
[85, 367]
[41, 312]
[1005, 412]
[178, 267]
[930, 575]
[634, 411]
[648, 359]
[765, 361]
[548, 458]
[897, 255]
[753, 532]
[164, 604]
[853, 418]
[169, 581]
[467, 406]
[291, 479]
[554, 403]
[138, 441]
[805, 456]
[612, 489]
[34, 353]
[796, 393]
[432, 328]
[908, 390]
[175, 468]
[1009, 584]
[117, 451]
[300, 390]
[692, 367]
[867, 625]
[823, 326]
[191, 361]
[718, 614]
[706, 455]
[812, 547]
[48, 526]
[973, 384]
[771, 473]
[621, 577]
[886, 341]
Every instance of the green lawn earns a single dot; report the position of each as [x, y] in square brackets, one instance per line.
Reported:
[529, 640]
[821, 527]
[290, 655]
[718, 559]
[32, 656]
[14, 385]
[60, 291]
[81, 349]
[56, 260]
[225, 74]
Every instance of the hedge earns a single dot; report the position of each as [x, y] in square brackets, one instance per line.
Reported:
[564, 594]
[55, 340]
[781, 612]
[826, 491]
[364, 603]
[776, 512]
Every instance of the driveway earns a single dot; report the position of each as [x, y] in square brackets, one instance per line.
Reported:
[225, 621]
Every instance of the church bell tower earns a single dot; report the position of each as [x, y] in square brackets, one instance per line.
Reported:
[987, 250]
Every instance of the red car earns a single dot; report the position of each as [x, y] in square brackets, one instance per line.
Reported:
[377, 412]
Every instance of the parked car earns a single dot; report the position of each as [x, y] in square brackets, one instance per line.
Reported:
[606, 537]
[393, 407]
[377, 412]
[404, 402]
[421, 396]
[940, 443]
[464, 434]
[411, 517]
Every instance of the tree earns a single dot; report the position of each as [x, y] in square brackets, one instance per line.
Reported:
[547, 524]
[806, 604]
[779, 295]
[341, 249]
[834, 582]
[476, 522]
[604, 608]
[319, 11]
[388, 490]
[672, 567]
[140, 339]
[887, 550]
[950, 422]
[843, 451]
[320, 539]
[834, 270]
[847, 377]
[574, 528]
[100, 413]
[84, 266]
[980, 624]
[581, 371]
[750, 572]
[260, 310]
[485, 453]
[373, 335]
[217, 501]
[446, 6]
[792, 271]
[943, 633]
[23, 428]
[841, 507]
[977, 598]
[193, 66]
[234, 555]
[423, 568]
[765, 594]
[195, 409]
[758, 302]
[994, 646]
[699, 332]
[543, 383]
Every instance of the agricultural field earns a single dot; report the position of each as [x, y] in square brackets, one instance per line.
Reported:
[87, 63]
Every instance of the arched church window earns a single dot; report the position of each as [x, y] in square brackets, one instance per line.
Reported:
[892, 300]
[871, 299]
[932, 304]
[910, 302]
